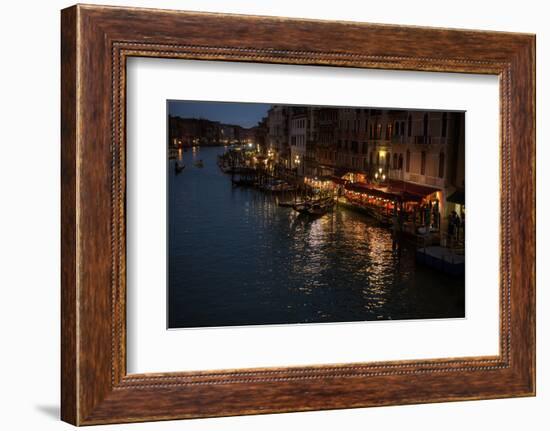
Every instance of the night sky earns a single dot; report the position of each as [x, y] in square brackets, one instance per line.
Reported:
[242, 114]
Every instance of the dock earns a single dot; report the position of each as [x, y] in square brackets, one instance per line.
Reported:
[441, 258]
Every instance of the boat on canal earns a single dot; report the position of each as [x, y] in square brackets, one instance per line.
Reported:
[315, 208]
[277, 186]
[242, 181]
[179, 167]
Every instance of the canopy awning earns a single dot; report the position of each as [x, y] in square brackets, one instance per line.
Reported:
[411, 190]
[363, 188]
[457, 197]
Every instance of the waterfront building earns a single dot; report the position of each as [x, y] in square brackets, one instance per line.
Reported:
[298, 128]
[188, 132]
[278, 134]
[260, 139]
[228, 135]
[325, 148]
[397, 155]
[311, 165]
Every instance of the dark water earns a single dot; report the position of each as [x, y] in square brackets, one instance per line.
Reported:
[236, 258]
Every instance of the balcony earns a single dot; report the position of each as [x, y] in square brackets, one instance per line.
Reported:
[422, 140]
[399, 140]
[425, 180]
[429, 140]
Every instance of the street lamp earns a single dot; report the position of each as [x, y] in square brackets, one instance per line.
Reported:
[379, 176]
[297, 162]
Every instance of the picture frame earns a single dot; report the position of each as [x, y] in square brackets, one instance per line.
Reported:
[96, 41]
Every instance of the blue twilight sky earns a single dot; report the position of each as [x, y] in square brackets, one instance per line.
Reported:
[242, 114]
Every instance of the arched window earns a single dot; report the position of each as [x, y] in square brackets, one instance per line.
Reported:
[408, 161]
[397, 128]
[394, 160]
[423, 163]
[370, 131]
[388, 158]
[378, 131]
[388, 131]
[441, 164]
[409, 129]
[444, 125]
[400, 163]
[402, 128]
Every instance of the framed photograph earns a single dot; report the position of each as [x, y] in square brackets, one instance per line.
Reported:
[264, 215]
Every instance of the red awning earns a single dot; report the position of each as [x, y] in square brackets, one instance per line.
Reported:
[363, 188]
[410, 191]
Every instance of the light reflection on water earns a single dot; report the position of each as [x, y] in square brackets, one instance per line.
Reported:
[236, 258]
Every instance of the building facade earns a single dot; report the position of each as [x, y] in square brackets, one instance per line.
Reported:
[298, 137]
[278, 134]
[188, 132]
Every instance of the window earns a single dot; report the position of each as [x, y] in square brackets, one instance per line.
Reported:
[378, 159]
[396, 128]
[444, 125]
[402, 128]
[425, 127]
[423, 163]
[388, 131]
[408, 159]
[394, 160]
[388, 158]
[409, 131]
[400, 163]
[370, 158]
[441, 164]
[378, 131]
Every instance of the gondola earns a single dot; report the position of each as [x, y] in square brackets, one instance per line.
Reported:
[314, 208]
[179, 168]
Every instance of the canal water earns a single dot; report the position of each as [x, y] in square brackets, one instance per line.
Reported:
[237, 258]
